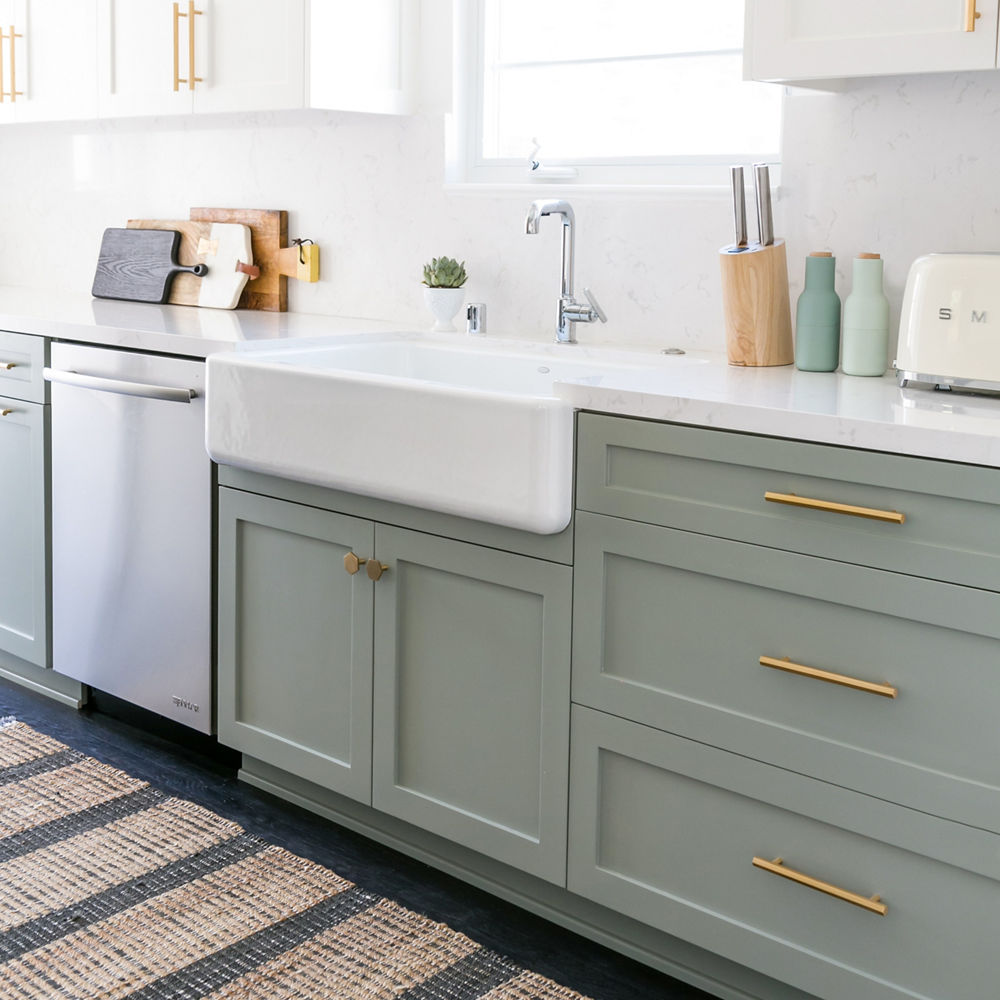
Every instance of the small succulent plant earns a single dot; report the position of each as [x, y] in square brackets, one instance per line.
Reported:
[444, 272]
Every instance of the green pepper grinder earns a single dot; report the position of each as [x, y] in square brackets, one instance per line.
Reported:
[817, 316]
[866, 320]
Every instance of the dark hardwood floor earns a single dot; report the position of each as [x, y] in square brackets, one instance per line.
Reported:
[207, 775]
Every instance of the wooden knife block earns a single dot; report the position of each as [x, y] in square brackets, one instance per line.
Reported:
[755, 304]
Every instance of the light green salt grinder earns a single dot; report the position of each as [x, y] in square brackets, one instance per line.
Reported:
[866, 320]
[817, 316]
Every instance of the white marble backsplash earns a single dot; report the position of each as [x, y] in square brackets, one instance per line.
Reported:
[901, 166]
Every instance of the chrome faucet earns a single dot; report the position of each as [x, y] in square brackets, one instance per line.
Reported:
[570, 311]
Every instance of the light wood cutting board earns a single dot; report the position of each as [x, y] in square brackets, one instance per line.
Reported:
[220, 247]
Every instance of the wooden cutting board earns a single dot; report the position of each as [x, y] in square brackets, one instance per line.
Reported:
[137, 265]
[269, 234]
[219, 246]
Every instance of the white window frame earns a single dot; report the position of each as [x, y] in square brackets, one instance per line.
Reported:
[466, 168]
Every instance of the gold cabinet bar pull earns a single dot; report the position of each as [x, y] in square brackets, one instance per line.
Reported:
[5, 413]
[7, 365]
[3, 93]
[177, 47]
[885, 690]
[191, 79]
[14, 92]
[971, 15]
[873, 904]
[872, 513]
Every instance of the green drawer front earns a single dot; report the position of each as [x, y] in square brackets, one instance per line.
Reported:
[715, 482]
[22, 358]
[670, 626]
[665, 830]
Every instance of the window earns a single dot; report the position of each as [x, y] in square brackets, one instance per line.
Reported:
[631, 91]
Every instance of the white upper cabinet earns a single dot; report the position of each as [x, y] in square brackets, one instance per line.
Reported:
[159, 57]
[65, 59]
[250, 55]
[362, 55]
[47, 68]
[814, 40]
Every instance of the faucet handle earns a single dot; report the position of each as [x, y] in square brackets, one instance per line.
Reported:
[595, 305]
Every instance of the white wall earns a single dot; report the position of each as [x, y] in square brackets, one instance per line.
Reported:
[901, 166]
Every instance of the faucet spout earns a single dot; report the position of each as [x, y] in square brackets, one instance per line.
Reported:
[570, 311]
[548, 206]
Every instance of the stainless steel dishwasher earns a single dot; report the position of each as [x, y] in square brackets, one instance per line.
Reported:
[132, 528]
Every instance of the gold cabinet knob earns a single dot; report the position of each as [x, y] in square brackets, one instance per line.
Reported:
[375, 569]
[352, 563]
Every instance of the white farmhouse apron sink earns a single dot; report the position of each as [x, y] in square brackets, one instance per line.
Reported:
[470, 428]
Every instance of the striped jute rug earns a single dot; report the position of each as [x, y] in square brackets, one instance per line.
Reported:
[111, 889]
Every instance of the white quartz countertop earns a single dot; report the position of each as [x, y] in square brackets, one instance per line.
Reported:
[825, 407]
[143, 326]
[829, 408]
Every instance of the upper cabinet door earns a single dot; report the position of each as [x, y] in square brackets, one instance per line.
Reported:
[788, 40]
[47, 69]
[143, 57]
[249, 55]
[164, 57]
[363, 56]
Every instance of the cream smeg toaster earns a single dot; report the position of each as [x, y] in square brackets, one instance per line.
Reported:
[949, 329]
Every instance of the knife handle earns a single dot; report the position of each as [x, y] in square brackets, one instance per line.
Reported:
[762, 188]
[739, 206]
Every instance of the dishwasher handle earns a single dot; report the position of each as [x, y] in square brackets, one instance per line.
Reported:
[121, 386]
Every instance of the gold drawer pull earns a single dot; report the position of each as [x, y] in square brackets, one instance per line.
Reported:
[5, 413]
[873, 904]
[7, 365]
[971, 15]
[873, 514]
[885, 690]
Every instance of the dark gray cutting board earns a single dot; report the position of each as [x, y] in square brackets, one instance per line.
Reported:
[139, 264]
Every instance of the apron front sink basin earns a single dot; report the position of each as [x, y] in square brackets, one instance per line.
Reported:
[472, 428]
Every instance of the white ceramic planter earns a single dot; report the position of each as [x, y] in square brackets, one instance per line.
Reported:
[444, 304]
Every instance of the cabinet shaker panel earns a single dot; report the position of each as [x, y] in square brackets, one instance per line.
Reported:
[295, 634]
[471, 716]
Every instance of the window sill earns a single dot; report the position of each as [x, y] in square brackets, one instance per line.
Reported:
[659, 192]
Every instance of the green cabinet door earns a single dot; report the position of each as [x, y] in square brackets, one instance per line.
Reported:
[471, 707]
[295, 640]
[24, 629]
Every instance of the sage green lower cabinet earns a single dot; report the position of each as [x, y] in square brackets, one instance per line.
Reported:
[295, 640]
[783, 710]
[471, 716]
[25, 582]
[24, 629]
[666, 830]
[469, 648]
